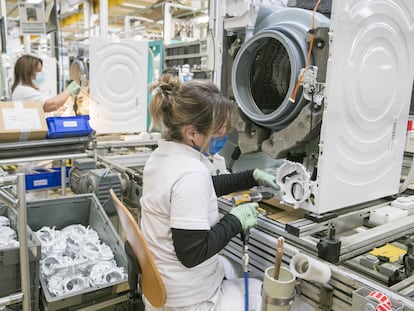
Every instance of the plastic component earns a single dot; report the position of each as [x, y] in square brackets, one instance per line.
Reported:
[294, 182]
[10, 281]
[82, 209]
[406, 203]
[386, 214]
[310, 269]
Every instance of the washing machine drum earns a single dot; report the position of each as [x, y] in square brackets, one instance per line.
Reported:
[268, 64]
[264, 75]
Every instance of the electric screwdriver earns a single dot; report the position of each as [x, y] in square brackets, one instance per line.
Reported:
[251, 197]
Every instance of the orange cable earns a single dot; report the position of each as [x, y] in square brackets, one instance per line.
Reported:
[296, 89]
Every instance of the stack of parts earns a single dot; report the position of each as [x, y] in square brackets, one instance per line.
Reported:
[8, 236]
[74, 259]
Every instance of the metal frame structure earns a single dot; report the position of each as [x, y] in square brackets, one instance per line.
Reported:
[18, 201]
[338, 293]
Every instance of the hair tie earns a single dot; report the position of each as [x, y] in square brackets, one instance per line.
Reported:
[156, 91]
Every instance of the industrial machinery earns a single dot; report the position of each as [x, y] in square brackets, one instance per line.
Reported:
[118, 165]
[324, 90]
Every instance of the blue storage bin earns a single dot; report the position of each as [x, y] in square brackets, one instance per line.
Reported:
[71, 126]
[45, 178]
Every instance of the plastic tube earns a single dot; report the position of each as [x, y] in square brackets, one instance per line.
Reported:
[310, 269]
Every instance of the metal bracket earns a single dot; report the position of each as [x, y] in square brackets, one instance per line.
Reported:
[326, 298]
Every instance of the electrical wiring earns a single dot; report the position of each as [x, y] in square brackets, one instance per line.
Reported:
[292, 98]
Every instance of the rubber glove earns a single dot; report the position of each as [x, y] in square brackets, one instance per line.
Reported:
[246, 213]
[265, 179]
[73, 88]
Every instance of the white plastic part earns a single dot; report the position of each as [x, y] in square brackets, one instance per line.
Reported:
[406, 203]
[368, 90]
[118, 85]
[4, 221]
[386, 214]
[219, 165]
[310, 269]
[294, 183]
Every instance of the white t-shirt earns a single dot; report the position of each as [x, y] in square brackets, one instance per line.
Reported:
[28, 94]
[178, 193]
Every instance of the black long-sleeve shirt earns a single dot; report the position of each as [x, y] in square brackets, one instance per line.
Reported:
[195, 246]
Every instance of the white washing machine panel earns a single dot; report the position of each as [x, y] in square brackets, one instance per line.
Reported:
[118, 85]
[368, 89]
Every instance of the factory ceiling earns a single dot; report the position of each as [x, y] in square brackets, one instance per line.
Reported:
[146, 16]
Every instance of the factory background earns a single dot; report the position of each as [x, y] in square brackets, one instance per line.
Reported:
[325, 91]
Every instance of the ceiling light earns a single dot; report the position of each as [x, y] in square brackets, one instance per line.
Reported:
[34, 1]
[141, 18]
[132, 5]
[202, 19]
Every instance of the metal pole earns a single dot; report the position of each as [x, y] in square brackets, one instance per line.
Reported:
[86, 18]
[103, 17]
[22, 229]
[4, 15]
[7, 180]
[27, 48]
[11, 299]
[57, 48]
[63, 176]
[127, 26]
[167, 31]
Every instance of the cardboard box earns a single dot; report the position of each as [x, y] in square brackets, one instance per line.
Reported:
[22, 121]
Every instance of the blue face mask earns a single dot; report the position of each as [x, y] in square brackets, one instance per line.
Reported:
[217, 143]
[40, 78]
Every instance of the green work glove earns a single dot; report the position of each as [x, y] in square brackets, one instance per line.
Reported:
[73, 88]
[265, 179]
[246, 213]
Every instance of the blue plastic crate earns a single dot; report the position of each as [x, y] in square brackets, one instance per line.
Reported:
[71, 126]
[45, 178]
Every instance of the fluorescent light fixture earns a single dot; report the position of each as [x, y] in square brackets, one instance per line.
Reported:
[141, 18]
[132, 5]
[34, 1]
[202, 19]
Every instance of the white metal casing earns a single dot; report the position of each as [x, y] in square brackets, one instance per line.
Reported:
[368, 90]
[118, 87]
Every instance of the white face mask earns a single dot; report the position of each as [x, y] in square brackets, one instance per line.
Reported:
[40, 78]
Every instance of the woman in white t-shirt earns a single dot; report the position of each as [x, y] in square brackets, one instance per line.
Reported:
[179, 212]
[28, 76]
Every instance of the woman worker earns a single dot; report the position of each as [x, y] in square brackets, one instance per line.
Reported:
[28, 76]
[179, 216]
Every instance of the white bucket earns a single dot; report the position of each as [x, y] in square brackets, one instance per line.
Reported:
[278, 294]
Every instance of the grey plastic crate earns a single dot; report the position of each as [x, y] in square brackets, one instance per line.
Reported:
[10, 277]
[86, 210]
